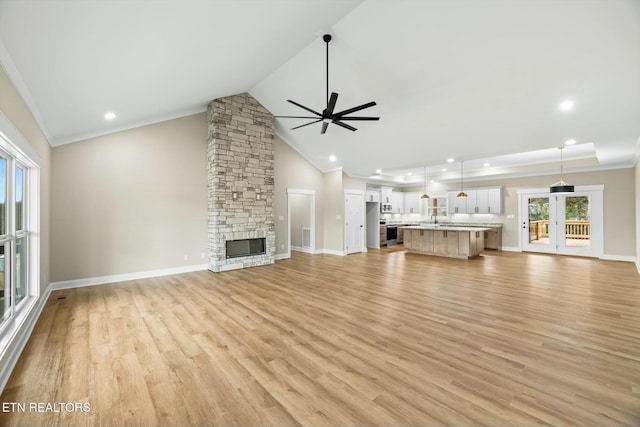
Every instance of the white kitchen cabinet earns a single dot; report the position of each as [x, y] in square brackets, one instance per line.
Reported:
[495, 200]
[385, 194]
[412, 203]
[397, 202]
[479, 201]
[373, 195]
[457, 204]
[485, 201]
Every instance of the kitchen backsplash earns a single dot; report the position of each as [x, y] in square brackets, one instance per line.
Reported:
[466, 218]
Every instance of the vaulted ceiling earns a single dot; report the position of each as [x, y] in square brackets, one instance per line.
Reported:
[476, 81]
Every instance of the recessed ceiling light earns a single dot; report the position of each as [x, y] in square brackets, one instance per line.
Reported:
[486, 165]
[444, 169]
[432, 181]
[110, 115]
[566, 105]
[570, 142]
[378, 170]
[409, 174]
[332, 158]
[451, 160]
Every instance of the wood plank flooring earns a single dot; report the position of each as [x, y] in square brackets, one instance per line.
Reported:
[377, 339]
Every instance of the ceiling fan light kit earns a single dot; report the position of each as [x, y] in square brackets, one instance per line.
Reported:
[328, 116]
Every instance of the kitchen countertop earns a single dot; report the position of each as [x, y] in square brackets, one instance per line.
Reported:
[446, 228]
[472, 224]
[446, 224]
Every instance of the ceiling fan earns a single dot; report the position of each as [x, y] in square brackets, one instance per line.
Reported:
[328, 116]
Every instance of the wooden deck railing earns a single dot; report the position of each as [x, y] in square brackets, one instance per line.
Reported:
[572, 229]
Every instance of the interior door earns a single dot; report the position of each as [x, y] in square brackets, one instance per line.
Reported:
[354, 225]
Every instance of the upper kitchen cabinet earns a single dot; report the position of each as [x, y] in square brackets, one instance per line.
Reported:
[485, 201]
[385, 195]
[373, 195]
[496, 196]
[479, 201]
[457, 204]
[411, 203]
[397, 202]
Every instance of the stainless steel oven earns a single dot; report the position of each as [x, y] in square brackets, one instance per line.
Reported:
[392, 235]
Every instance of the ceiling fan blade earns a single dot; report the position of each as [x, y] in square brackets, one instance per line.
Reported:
[332, 103]
[324, 127]
[344, 125]
[307, 124]
[358, 118]
[302, 106]
[354, 109]
[295, 117]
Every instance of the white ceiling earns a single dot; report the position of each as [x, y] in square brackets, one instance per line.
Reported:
[479, 81]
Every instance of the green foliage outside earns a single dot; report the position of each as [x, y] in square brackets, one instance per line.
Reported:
[577, 209]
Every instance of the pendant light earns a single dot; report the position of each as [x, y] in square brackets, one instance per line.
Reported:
[561, 186]
[462, 194]
[425, 195]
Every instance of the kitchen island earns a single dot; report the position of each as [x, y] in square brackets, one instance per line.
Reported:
[446, 241]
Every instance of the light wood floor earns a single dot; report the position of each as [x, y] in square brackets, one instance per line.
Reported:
[377, 339]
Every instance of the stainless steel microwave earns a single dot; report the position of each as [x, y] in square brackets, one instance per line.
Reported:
[385, 208]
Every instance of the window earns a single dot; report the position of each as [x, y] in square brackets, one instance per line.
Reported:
[19, 285]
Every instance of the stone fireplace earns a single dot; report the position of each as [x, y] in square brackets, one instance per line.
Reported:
[240, 183]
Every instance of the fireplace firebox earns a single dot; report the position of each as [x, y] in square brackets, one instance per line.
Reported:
[245, 247]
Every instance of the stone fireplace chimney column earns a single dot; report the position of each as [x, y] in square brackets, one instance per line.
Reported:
[240, 173]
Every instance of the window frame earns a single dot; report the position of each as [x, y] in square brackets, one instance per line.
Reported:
[13, 148]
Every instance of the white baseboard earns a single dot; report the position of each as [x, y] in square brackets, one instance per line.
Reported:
[625, 258]
[91, 281]
[302, 249]
[511, 249]
[279, 257]
[331, 252]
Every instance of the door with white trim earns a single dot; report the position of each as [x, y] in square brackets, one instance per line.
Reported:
[354, 223]
[567, 224]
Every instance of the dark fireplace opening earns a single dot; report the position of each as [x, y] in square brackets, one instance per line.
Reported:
[246, 247]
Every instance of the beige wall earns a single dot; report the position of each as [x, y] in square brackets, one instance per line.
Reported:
[619, 205]
[351, 183]
[14, 108]
[333, 212]
[132, 201]
[16, 111]
[294, 171]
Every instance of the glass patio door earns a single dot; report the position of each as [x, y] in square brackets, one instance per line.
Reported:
[567, 224]
[538, 225]
[574, 223]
